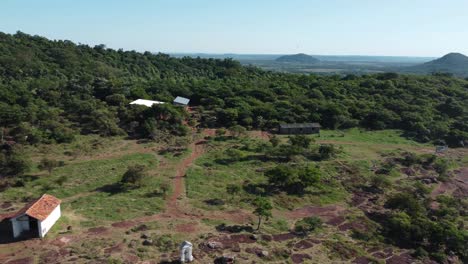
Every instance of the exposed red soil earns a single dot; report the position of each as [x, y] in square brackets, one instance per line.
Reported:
[386, 253]
[61, 241]
[284, 237]
[260, 134]
[358, 199]
[218, 243]
[186, 228]
[336, 221]
[353, 226]
[6, 205]
[115, 249]
[255, 250]
[124, 224]
[50, 256]
[130, 258]
[242, 238]
[98, 230]
[209, 132]
[28, 260]
[303, 244]
[178, 183]
[404, 258]
[300, 258]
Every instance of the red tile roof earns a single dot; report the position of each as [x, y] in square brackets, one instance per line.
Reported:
[40, 208]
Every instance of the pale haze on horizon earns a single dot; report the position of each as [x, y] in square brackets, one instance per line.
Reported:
[428, 28]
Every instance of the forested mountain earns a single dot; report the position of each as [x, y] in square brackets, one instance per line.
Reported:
[52, 90]
[453, 63]
[298, 58]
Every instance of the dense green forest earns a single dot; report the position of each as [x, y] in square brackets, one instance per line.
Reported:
[53, 90]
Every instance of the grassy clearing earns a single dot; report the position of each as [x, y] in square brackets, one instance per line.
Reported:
[87, 187]
[391, 137]
[361, 149]
[370, 145]
[210, 177]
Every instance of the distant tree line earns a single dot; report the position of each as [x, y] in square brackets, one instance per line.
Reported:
[51, 91]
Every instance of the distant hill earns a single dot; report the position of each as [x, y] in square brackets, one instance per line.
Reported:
[298, 58]
[454, 63]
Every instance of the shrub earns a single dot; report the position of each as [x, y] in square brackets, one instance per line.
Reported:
[233, 189]
[420, 253]
[405, 202]
[48, 164]
[307, 225]
[274, 140]
[134, 176]
[441, 166]
[327, 152]
[237, 130]
[14, 163]
[291, 179]
[300, 141]
[164, 243]
[380, 182]
[220, 132]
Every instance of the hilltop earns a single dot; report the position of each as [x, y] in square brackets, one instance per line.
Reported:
[453, 63]
[298, 58]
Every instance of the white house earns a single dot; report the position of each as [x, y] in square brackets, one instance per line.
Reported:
[36, 218]
[145, 102]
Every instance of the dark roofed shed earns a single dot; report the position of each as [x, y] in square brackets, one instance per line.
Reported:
[299, 128]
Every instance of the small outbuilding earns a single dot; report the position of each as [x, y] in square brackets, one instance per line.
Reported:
[181, 101]
[147, 103]
[33, 220]
[299, 128]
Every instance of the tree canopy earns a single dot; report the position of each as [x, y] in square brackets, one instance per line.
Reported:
[53, 90]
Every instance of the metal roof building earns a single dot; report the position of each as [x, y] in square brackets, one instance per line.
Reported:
[299, 128]
[181, 101]
[145, 102]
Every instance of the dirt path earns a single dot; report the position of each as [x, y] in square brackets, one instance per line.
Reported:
[172, 207]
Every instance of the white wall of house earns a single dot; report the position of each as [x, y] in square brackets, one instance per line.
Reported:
[20, 224]
[46, 225]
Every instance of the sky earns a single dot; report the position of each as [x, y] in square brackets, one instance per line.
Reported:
[429, 28]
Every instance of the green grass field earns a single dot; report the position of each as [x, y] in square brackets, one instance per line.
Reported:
[209, 179]
[87, 186]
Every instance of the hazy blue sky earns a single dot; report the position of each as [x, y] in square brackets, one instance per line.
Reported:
[361, 27]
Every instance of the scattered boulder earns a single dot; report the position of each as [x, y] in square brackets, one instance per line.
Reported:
[263, 254]
[147, 242]
[214, 244]
[224, 260]
[235, 248]
[132, 244]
